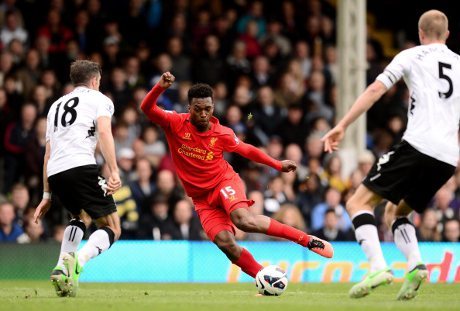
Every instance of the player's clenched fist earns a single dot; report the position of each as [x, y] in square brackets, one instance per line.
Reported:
[288, 166]
[166, 80]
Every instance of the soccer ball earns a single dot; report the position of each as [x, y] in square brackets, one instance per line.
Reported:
[271, 281]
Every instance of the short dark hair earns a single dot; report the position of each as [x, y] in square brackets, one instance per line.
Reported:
[200, 90]
[81, 71]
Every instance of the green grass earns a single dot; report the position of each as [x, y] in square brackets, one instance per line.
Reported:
[39, 295]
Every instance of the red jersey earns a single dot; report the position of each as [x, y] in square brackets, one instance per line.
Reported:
[198, 156]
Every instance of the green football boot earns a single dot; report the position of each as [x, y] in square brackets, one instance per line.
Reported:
[74, 270]
[371, 281]
[412, 282]
[59, 280]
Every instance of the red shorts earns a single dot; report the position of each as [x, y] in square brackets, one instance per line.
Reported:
[214, 207]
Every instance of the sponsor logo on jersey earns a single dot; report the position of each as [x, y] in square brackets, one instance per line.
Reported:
[187, 136]
[195, 153]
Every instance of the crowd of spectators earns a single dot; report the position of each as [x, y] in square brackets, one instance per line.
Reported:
[273, 67]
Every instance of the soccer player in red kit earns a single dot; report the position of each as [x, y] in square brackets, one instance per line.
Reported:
[197, 143]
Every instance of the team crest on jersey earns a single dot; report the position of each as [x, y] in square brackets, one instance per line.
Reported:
[187, 136]
[212, 142]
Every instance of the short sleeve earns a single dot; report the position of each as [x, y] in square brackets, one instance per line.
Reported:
[395, 70]
[105, 107]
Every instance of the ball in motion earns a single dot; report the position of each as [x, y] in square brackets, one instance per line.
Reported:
[271, 281]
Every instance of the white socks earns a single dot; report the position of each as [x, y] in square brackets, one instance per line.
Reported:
[97, 243]
[406, 241]
[73, 234]
[367, 236]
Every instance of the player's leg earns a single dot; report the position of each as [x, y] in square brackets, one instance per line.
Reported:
[90, 196]
[360, 207]
[99, 241]
[108, 232]
[74, 232]
[246, 221]
[406, 241]
[225, 241]
[72, 237]
[219, 228]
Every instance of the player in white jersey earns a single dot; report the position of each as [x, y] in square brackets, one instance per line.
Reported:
[411, 173]
[75, 123]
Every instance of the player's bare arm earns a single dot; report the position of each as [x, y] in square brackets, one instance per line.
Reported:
[45, 203]
[254, 154]
[364, 102]
[108, 151]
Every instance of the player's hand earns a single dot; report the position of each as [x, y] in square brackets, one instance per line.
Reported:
[114, 183]
[332, 138]
[288, 166]
[166, 80]
[41, 209]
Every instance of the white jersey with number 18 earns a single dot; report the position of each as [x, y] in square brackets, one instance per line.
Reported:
[432, 75]
[72, 128]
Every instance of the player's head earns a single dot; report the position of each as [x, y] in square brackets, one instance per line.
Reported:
[433, 26]
[201, 105]
[87, 73]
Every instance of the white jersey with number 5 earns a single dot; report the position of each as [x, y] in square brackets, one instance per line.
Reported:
[432, 74]
[71, 128]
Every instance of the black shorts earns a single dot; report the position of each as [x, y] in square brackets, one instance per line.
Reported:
[405, 173]
[79, 189]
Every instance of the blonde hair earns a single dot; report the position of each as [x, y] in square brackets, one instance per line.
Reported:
[434, 24]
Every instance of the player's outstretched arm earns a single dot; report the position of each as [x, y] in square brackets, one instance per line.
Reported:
[254, 154]
[45, 203]
[149, 103]
[364, 102]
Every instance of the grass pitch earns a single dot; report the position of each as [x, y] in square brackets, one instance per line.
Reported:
[39, 295]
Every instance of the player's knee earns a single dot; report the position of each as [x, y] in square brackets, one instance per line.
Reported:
[352, 206]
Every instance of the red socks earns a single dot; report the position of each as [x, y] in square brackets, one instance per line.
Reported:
[284, 231]
[248, 264]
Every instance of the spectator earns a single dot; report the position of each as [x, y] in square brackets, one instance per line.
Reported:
[330, 231]
[33, 232]
[451, 232]
[332, 199]
[12, 29]
[428, 230]
[155, 149]
[256, 14]
[152, 223]
[183, 225]
[274, 196]
[56, 31]
[167, 187]
[181, 62]
[10, 231]
[17, 136]
[29, 73]
[292, 128]
[267, 115]
[144, 186]
[20, 199]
